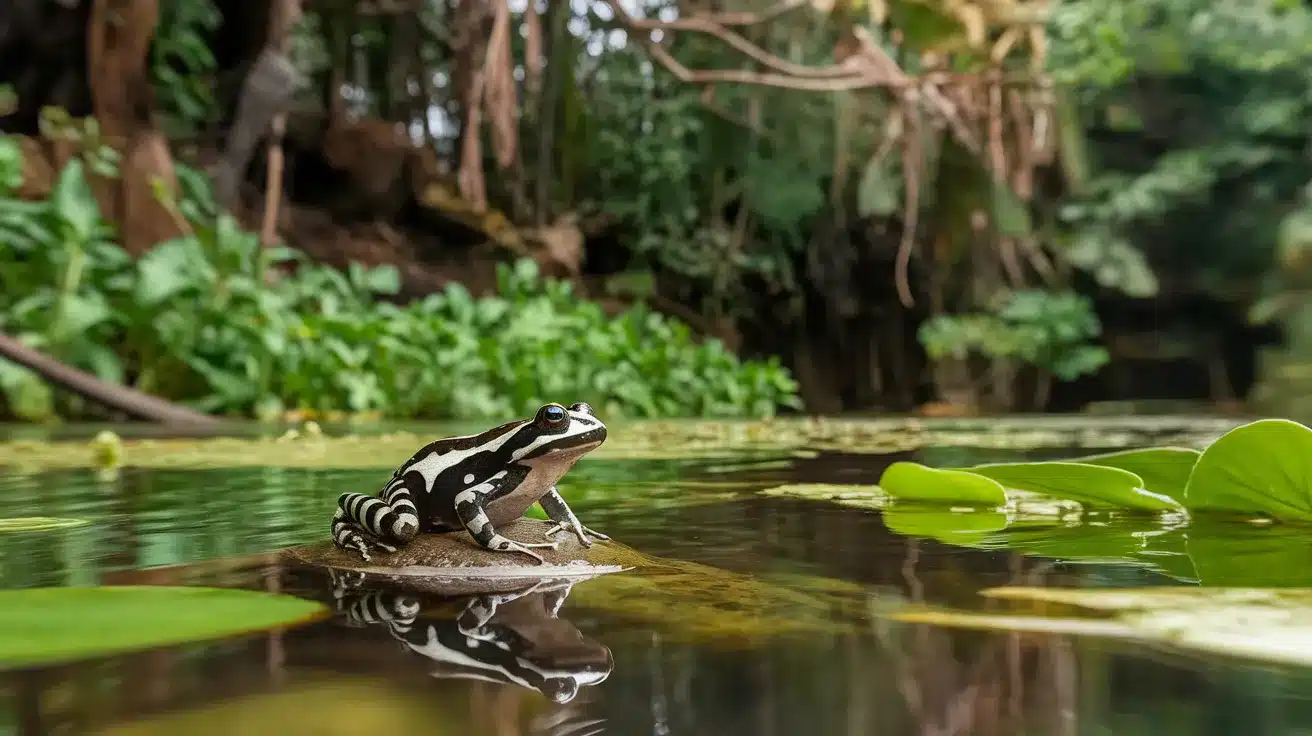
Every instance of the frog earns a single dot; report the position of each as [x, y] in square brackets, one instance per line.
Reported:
[475, 483]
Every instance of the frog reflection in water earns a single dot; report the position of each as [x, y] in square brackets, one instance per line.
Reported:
[511, 638]
[476, 483]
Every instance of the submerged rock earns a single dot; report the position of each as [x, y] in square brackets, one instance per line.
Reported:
[452, 563]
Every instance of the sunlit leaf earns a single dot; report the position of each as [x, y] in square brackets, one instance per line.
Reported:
[1163, 470]
[1261, 467]
[1091, 484]
[907, 481]
[44, 626]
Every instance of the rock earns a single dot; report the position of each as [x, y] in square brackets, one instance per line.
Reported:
[451, 563]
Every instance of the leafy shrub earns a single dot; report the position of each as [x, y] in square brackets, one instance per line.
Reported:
[198, 320]
[1050, 331]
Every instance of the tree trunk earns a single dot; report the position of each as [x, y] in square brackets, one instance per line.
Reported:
[127, 400]
[119, 33]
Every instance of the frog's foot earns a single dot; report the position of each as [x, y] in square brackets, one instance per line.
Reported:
[499, 543]
[352, 538]
[580, 531]
[559, 512]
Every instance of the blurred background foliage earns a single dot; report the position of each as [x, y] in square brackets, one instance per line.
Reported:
[759, 173]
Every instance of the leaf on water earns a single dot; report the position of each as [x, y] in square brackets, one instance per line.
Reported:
[1163, 470]
[44, 626]
[1088, 484]
[1252, 623]
[1261, 467]
[38, 524]
[868, 497]
[907, 481]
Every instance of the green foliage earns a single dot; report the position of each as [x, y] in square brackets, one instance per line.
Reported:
[1048, 330]
[1192, 117]
[197, 319]
[182, 65]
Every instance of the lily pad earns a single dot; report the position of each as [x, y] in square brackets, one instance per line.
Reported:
[38, 524]
[1163, 470]
[1262, 467]
[906, 481]
[1251, 623]
[44, 626]
[1095, 485]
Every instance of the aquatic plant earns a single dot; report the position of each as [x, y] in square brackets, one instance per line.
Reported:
[1263, 468]
[44, 626]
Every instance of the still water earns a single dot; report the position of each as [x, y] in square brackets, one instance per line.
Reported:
[789, 641]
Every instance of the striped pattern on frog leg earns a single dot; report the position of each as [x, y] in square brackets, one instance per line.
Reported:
[470, 508]
[362, 522]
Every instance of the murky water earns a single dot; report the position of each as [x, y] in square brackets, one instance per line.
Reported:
[607, 663]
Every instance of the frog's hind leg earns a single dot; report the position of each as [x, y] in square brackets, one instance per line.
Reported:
[366, 521]
[470, 508]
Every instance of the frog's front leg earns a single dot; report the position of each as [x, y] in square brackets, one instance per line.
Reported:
[362, 522]
[559, 512]
[470, 509]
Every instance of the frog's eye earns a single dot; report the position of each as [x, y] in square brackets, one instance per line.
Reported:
[581, 407]
[553, 415]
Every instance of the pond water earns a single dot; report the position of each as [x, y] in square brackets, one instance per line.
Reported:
[786, 638]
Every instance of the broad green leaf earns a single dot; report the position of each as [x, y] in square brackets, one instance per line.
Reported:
[38, 524]
[45, 626]
[1262, 467]
[1088, 484]
[81, 313]
[1163, 470]
[74, 203]
[907, 481]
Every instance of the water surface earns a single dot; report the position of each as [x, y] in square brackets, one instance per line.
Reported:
[862, 675]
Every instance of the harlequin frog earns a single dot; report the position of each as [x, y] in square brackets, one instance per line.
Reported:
[476, 483]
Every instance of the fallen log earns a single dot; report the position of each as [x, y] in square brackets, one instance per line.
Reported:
[128, 400]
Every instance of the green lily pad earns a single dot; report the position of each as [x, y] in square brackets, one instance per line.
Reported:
[44, 626]
[906, 481]
[1095, 485]
[38, 524]
[1164, 470]
[1262, 467]
[1251, 623]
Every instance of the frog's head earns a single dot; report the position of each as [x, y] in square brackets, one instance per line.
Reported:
[560, 435]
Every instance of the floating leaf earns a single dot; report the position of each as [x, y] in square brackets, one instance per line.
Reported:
[907, 481]
[38, 524]
[1268, 625]
[1262, 467]
[43, 626]
[1163, 470]
[1089, 484]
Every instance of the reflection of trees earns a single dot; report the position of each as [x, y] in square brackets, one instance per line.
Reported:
[1010, 682]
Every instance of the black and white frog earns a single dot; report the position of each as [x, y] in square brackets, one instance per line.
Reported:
[476, 483]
